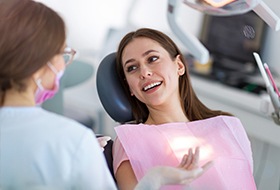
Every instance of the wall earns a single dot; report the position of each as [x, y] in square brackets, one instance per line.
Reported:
[271, 46]
[88, 21]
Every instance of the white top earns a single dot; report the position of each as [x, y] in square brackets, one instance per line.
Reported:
[43, 150]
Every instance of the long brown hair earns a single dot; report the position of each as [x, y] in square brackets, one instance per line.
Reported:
[31, 34]
[193, 107]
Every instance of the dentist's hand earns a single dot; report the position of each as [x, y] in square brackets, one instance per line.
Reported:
[103, 141]
[185, 173]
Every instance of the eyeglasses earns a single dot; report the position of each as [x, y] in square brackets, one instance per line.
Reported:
[68, 55]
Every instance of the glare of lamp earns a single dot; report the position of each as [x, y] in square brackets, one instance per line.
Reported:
[180, 146]
[222, 7]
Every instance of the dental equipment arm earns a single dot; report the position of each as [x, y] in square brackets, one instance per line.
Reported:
[229, 7]
[267, 15]
[275, 99]
[194, 46]
[235, 7]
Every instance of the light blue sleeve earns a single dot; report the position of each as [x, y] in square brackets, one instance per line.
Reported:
[90, 170]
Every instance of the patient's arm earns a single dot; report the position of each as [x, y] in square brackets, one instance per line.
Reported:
[125, 176]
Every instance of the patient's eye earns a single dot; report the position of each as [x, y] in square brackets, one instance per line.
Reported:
[152, 59]
[131, 68]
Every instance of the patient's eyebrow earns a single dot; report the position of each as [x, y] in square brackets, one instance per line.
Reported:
[143, 55]
[128, 61]
[149, 51]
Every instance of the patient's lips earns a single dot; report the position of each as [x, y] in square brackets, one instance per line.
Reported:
[151, 85]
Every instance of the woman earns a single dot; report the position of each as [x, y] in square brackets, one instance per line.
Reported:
[40, 149]
[168, 115]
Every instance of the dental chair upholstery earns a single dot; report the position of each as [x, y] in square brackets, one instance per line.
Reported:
[110, 91]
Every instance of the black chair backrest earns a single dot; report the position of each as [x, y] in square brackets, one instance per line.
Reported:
[111, 92]
[109, 156]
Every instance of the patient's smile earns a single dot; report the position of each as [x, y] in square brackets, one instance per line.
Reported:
[152, 85]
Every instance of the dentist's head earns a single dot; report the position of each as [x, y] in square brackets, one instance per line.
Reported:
[32, 50]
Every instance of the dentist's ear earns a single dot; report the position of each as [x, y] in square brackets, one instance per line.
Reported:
[181, 66]
[39, 73]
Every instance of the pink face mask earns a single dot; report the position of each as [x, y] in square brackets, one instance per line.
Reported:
[43, 94]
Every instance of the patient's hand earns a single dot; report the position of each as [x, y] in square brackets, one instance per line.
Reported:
[186, 172]
[103, 141]
[190, 163]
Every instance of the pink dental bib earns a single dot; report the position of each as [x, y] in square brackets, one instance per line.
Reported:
[222, 139]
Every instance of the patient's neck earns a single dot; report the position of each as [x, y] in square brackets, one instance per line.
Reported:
[157, 117]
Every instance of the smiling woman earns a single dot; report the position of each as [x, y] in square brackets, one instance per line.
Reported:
[171, 119]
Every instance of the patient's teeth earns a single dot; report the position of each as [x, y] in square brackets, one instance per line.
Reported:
[151, 85]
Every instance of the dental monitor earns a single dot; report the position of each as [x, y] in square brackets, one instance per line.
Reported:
[231, 40]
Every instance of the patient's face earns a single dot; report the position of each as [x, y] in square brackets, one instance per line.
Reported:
[151, 74]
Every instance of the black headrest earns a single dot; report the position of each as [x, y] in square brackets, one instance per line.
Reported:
[110, 91]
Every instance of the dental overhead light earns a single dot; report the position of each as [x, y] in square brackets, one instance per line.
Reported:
[217, 8]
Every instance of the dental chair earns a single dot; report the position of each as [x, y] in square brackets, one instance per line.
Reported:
[112, 97]
[111, 92]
